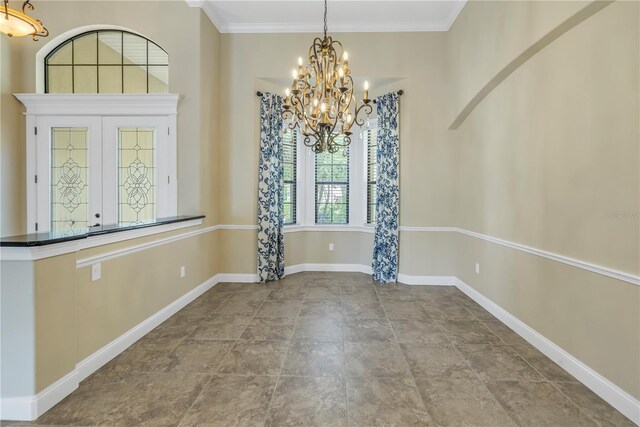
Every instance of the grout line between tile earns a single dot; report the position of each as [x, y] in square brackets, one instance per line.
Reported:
[413, 379]
[284, 359]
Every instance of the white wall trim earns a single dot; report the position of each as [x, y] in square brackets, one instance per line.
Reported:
[101, 104]
[594, 268]
[455, 13]
[84, 262]
[237, 278]
[614, 395]
[411, 229]
[354, 268]
[408, 279]
[336, 27]
[32, 253]
[236, 227]
[328, 228]
[28, 408]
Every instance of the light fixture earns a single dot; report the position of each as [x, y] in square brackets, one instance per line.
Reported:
[321, 102]
[18, 24]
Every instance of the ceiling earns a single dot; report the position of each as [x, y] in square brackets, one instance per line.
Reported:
[305, 16]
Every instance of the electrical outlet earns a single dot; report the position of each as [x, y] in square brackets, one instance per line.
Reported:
[330, 246]
[96, 271]
[183, 271]
[477, 268]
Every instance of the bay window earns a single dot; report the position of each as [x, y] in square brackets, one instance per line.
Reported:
[330, 190]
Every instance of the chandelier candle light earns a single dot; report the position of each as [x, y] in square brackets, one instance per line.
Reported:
[321, 102]
[18, 24]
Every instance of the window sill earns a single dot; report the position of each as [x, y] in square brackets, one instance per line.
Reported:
[30, 247]
[295, 228]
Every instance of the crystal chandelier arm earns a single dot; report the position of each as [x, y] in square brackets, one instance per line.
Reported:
[321, 101]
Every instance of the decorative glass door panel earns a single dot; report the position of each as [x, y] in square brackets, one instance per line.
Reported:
[68, 187]
[136, 175]
[136, 149]
[69, 179]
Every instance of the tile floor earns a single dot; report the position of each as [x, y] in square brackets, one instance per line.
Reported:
[331, 349]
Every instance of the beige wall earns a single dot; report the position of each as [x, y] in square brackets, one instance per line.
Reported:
[74, 317]
[195, 44]
[540, 161]
[416, 58]
[413, 62]
[478, 48]
[555, 147]
[12, 146]
[135, 286]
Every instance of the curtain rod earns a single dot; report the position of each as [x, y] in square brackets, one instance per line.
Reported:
[400, 92]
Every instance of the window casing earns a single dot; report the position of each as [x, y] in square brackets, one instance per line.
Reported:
[107, 61]
[338, 182]
[290, 166]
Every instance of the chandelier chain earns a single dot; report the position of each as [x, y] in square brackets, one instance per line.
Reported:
[325, 19]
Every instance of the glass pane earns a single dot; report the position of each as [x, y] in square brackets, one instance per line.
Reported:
[110, 79]
[59, 79]
[69, 198]
[288, 172]
[157, 56]
[85, 49]
[331, 204]
[85, 79]
[341, 173]
[332, 187]
[159, 79]
[134, 49]
[110, 47]
[62, 56]
[136, 175]
[135, 79]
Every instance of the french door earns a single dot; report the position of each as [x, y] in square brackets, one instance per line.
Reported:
[101, 170]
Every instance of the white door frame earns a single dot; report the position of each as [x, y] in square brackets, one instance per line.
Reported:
[44, 124]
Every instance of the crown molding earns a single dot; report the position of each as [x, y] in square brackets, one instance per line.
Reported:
[339, 27]
[100, 104]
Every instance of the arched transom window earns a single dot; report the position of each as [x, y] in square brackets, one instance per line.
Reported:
[107, 61]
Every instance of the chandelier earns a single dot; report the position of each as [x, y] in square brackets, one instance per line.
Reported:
[17, 24]
[321, 102]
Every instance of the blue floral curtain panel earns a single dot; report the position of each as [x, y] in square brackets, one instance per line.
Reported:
[270, 183]
[385, 242]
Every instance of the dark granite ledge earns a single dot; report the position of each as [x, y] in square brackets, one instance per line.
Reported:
[43, 239]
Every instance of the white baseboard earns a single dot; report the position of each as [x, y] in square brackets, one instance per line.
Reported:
[236, 278]
[614, 395]
[353, 268]
[94, 362]
[28, 408]
[408, 279]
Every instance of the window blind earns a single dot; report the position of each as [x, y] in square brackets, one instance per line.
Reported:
[332, 187]
[371, 137]
[290, 161]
